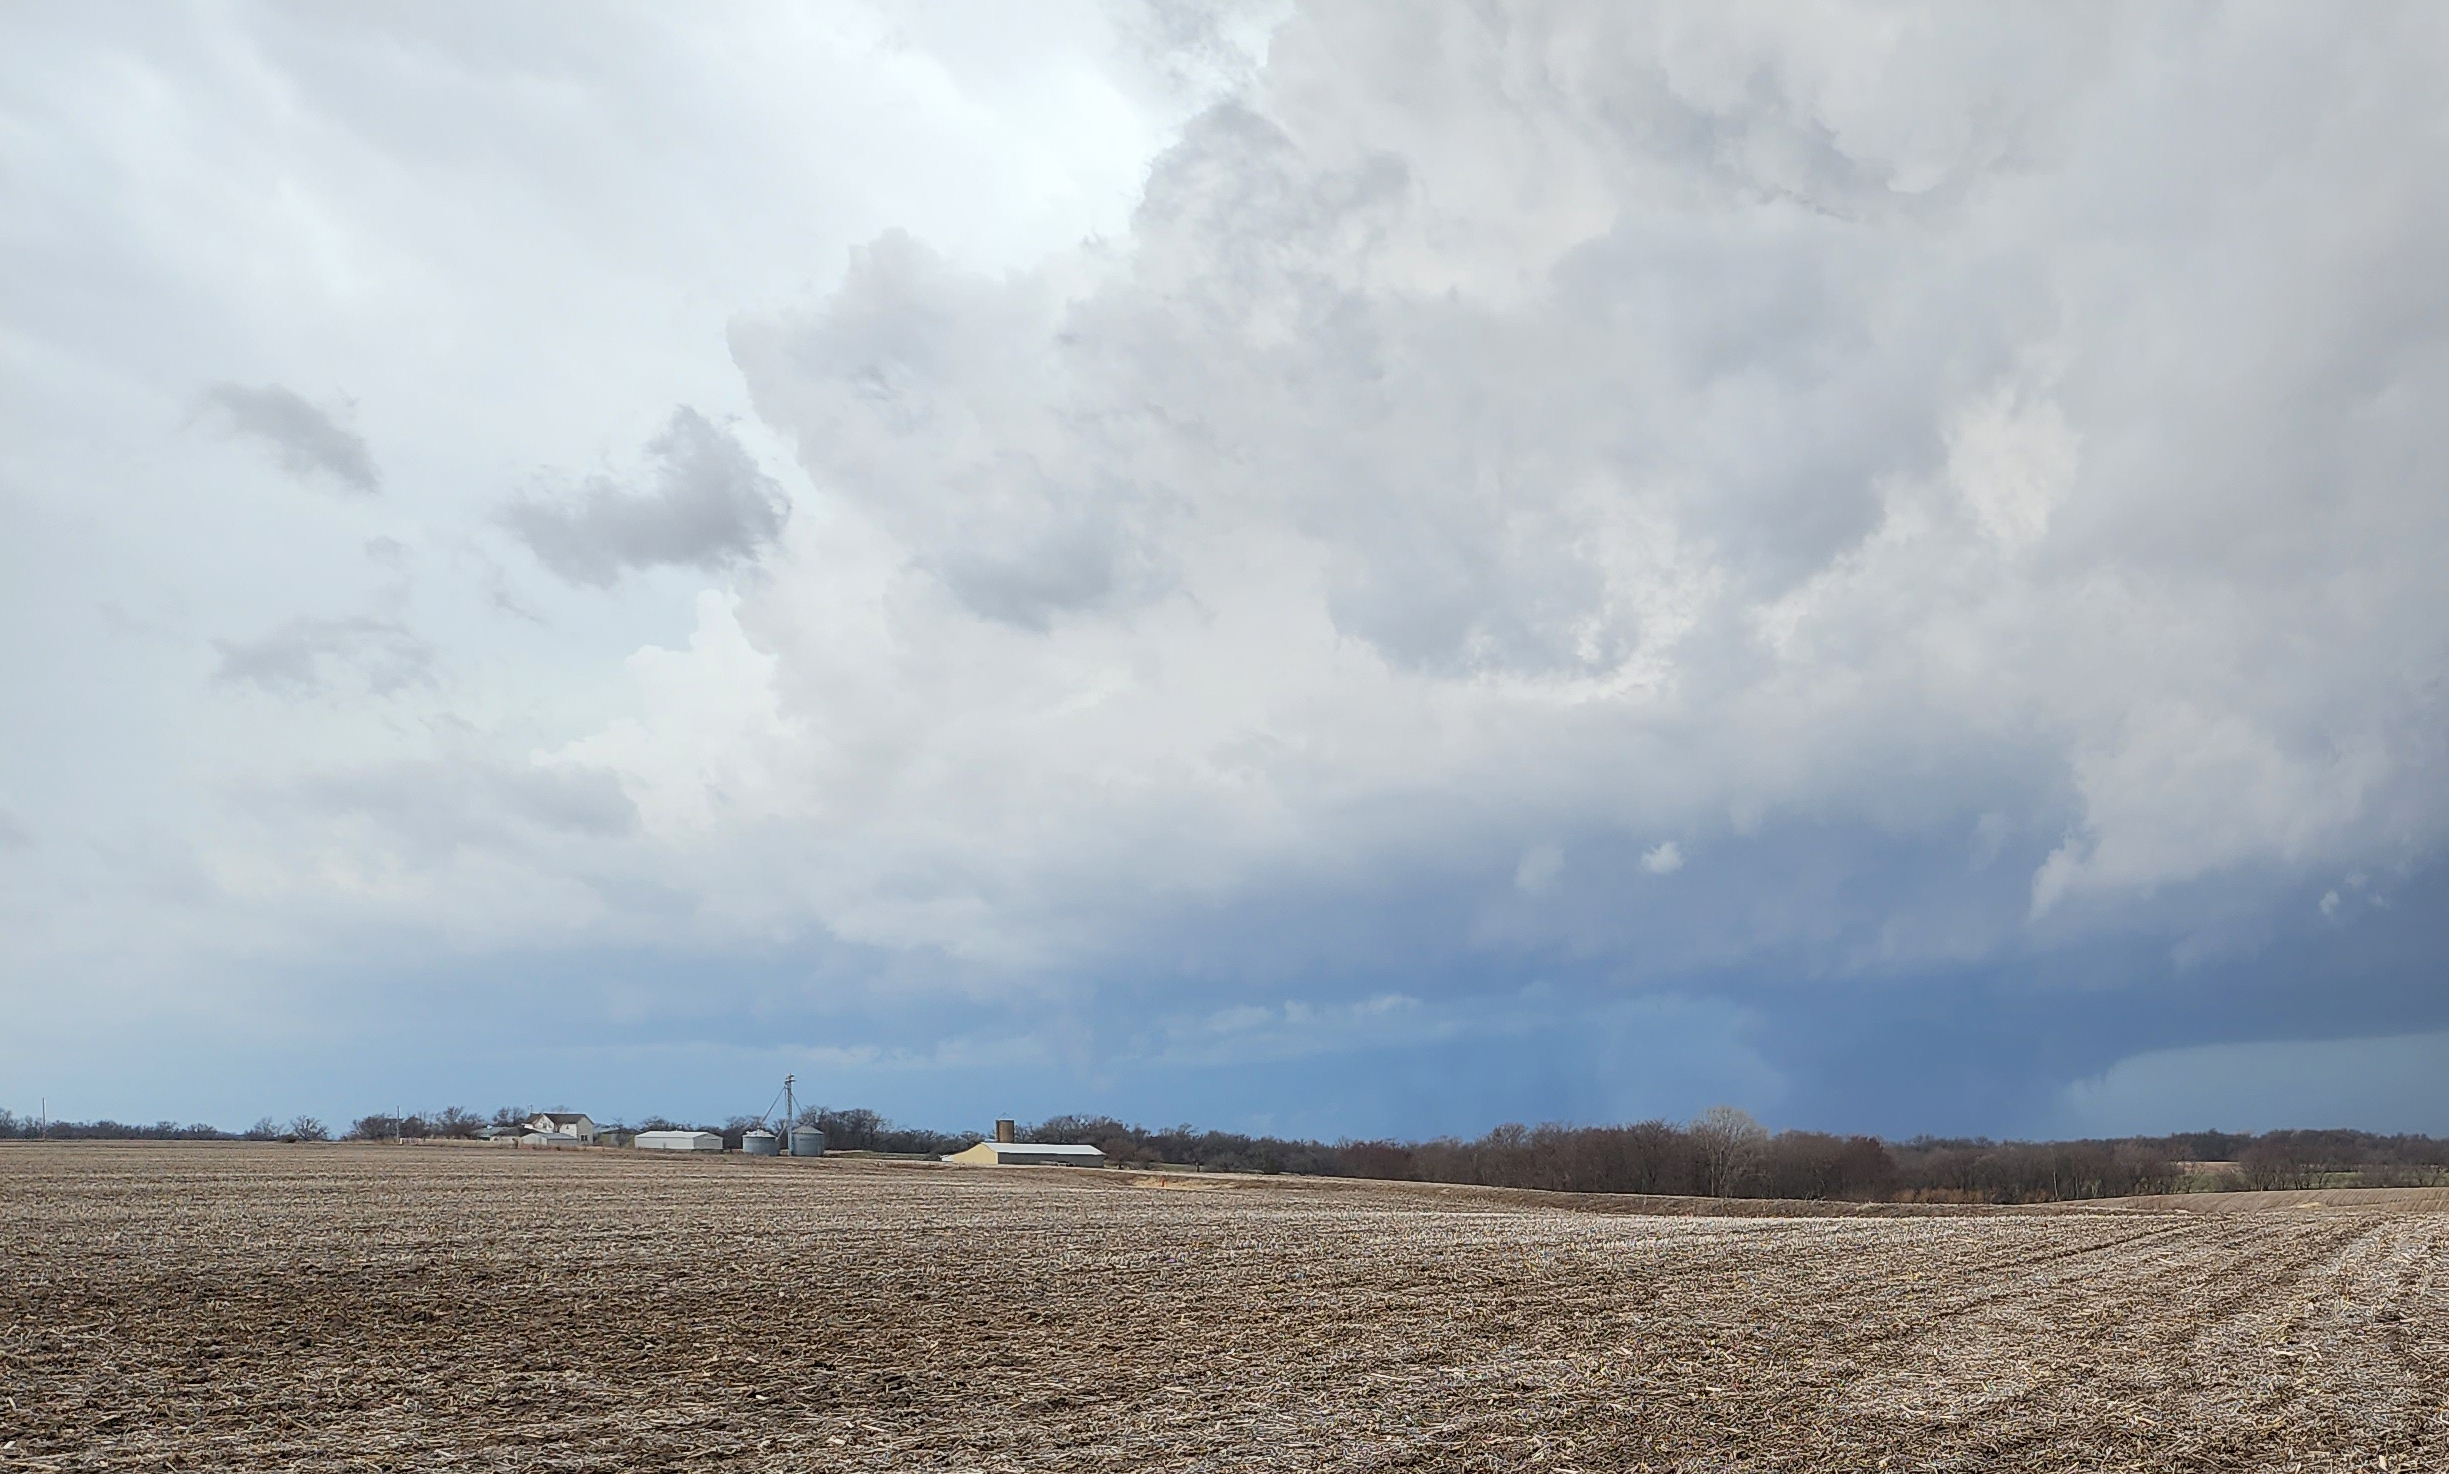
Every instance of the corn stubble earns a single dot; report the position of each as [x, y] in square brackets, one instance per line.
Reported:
[317, 1308]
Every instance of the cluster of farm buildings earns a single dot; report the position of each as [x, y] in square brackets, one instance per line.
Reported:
[577, 1129]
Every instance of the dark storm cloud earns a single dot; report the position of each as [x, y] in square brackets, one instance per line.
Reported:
[708, 506]
[302, 656]
[307, 440]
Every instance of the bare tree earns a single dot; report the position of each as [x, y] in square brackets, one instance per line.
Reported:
[1730, 1145]
[2272, 1164]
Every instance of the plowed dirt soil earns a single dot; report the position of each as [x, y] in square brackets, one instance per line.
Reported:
[327, 1308]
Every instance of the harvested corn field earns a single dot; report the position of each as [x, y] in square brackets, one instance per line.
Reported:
[403, 1308]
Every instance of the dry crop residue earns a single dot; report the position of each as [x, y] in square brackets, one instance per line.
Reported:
[403, 1308]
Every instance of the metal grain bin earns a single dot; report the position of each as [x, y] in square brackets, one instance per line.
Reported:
[759, 1142]
[807, 1141]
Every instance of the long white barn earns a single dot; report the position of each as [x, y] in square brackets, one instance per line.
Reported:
[679, 1141]
[1028, 1154]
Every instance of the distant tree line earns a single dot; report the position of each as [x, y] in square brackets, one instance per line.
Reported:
[1188, 1146]
[1723, 1153]
[449, 1123]
[14, 1127]
[1982, 1171]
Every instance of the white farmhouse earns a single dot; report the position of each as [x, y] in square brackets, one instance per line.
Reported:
[564, 1123]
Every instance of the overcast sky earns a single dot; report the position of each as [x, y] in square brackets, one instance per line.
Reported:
[1346, 570]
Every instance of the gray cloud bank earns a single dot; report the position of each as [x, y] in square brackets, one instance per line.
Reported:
[709, 506]
[307, 440]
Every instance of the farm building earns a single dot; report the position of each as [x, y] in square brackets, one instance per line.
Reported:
[551, 1138]
[680, 1141]
[1028, 1154]
[564, 1123]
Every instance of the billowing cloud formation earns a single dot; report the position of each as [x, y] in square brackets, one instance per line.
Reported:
[1417, 564]
[709, 507]
[308, 441]
[1598, 424]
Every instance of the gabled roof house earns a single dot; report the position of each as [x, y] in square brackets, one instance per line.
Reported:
[564, 1123]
